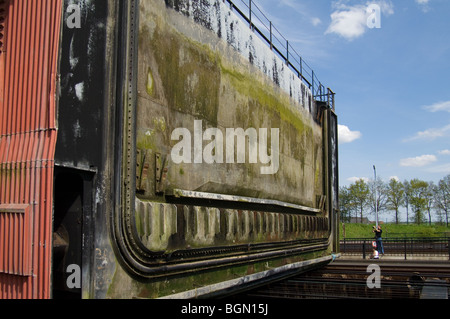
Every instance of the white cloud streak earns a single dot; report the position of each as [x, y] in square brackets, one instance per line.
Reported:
[418, 161]
[301, 9]
[433, 133]
[430, 134]
[424, 4]
[355, 179]
[437, 107]
[444, 152]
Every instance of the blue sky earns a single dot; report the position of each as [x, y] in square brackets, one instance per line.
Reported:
[392, 83]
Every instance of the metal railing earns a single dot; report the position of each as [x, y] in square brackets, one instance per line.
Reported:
[403, 247]
[264, 28]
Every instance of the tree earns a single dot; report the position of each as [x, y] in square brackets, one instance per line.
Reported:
[395, 197]
[378, 195]
[429, 199]
[359, 193]
[426, 199]
[345, 204]
[442, 196]
[418, 199]
[407, 198]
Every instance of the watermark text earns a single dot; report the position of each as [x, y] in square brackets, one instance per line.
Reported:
[231, 146]
[374, 279]
[373, 16]
[73, 20]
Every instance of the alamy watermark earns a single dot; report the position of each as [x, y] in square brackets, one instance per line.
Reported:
[227, 147]
[73, 20]
[374, 279]
[74, 278]
[373, 16]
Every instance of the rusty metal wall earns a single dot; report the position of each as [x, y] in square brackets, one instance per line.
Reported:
[28, 69]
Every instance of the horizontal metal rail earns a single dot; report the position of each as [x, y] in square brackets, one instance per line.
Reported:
[425, 246]
[264, 28]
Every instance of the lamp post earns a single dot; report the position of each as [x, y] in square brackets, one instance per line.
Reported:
[376, 194]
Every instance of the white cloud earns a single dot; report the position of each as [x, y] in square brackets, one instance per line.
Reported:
[418, 161]
[433, 133]
[301, 9]
[346, 135]
[430, 134]
[355, 179]
[394, 178]
[386, 6]
[351, 22]
[316, 21]
[423, 4]
[441, 106]
[444, 152]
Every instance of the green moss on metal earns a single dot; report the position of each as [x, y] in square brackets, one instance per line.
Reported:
[123, 287]
[150, 83]
[264, 95]
[148, 139]
[190, 75]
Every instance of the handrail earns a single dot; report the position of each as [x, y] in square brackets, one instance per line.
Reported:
[423, 246]
[394, 239]
[263, 27]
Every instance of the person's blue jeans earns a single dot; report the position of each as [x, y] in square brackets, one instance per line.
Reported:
[380, 247]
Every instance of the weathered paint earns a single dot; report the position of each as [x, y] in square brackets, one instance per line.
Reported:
[202, 72]
[170, 246]
[195, 223]
[28, 73]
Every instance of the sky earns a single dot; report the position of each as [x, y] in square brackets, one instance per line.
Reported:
[391, 75]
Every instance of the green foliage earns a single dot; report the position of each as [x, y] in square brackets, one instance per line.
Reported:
[418, 200]
[395, 197]
[355, 198]
[394, 230]
[421, 200]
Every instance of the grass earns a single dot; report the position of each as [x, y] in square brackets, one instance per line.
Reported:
[394, 230]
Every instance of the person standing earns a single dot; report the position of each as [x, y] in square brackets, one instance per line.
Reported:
[378, 239]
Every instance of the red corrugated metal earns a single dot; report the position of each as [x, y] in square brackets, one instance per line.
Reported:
[15, 225]
[28, 68]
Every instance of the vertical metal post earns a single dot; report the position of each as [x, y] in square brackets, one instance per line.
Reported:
[301, 67]
[404, 244]
[364, 249]
[250, 12]
[287, 52]
[328, 98]
[271, 41]
[448, 246]
[376, 194]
